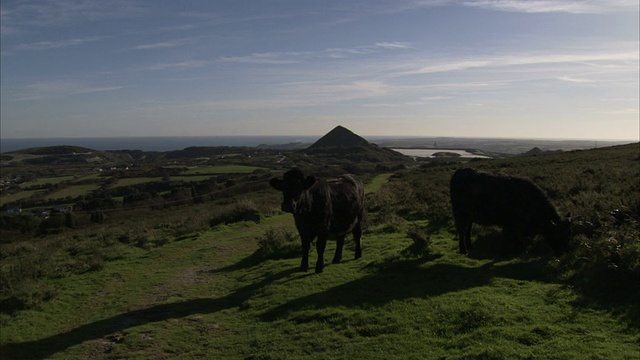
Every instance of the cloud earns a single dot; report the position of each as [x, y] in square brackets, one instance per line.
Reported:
[576, 80]
[394, 45]
[501, 61]
[367, 49]
[454, 66]
[162, 45]
[47, 45]
[62, 12]
[183, 65]
[265, 58]
[554, 6]
[56, 89]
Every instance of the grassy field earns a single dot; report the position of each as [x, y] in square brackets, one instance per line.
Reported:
[135, 181]
[221, 169]
[176, 284]
[204, 297]
[73, 191]
[18, 196]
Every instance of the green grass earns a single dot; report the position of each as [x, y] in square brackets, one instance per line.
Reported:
[377, 182]
[72, 191]
[135, 181]
[191, 178]
[203, 297]
[167, 285]
[222, 169]
[18, 196]
[52, 180]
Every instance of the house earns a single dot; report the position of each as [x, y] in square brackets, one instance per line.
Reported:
[64, 209]
[14, 208]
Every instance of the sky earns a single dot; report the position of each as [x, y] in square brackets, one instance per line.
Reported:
[554, 69]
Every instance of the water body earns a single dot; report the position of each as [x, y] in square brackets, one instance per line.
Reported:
[168, 143]
[428, 153]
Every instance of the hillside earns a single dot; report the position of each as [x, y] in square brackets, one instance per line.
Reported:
[218, 279]
[342, 143]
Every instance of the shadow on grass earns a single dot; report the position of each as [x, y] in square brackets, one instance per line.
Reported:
[617, 292]
[45, 348]
[399, 279]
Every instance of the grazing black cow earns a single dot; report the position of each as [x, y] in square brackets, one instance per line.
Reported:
[516, 204]
[322, 208]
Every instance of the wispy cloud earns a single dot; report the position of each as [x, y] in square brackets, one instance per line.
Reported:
[56, 89]
[60, 12]
[497, 61]
[163, 45]
[183, 65]
[266, 58]
[552, 6]
[47, 45]
[367, 49]
[576, 80]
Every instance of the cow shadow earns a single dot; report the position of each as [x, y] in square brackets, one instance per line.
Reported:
[106, 328]
[404, 279]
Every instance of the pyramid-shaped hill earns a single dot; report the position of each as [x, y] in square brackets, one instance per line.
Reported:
[339, 137]
[342, 143]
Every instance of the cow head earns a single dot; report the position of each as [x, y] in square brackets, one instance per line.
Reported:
[292, 185]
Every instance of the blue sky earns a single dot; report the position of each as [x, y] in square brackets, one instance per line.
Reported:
[468, 68]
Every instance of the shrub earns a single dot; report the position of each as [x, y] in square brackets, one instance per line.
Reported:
[243, 210]
[421, 242]
[283, 244]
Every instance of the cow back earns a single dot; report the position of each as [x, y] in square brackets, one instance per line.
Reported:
[331, 206]
[495, 199]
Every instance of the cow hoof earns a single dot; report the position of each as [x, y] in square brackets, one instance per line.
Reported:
[335, 261]
[304, 269]
[319, 271]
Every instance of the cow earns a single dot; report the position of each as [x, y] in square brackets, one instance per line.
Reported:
[516, 204]
[322, 208]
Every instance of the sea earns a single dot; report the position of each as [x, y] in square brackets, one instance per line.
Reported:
[168, 143]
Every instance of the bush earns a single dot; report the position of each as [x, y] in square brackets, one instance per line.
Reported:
[244, 210]
[283, 244]
[421, 242]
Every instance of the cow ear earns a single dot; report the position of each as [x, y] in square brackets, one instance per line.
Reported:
[308, 182]
[276, 184]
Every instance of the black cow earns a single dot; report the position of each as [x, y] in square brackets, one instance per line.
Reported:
[322, 208]
[516, 204]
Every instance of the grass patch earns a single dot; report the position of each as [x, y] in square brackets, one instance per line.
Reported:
[72, 192]
[135, 181]
[376, 183]
[200, 297]
[222, 169]
[49, 181]
[25, 194]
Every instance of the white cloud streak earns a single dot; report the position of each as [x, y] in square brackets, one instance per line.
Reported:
[48, 45]
[56, 89]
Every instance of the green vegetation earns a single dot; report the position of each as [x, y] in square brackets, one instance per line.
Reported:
[226, 169]
[210, 270]
[73, 192]
[135, 181]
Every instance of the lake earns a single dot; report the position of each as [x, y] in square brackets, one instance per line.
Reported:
[430, 152]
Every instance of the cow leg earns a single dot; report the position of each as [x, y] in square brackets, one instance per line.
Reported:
[306, 244]
[463, 226]
[338, 255]
[357, 237]
[467, 237]
[321, 244]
